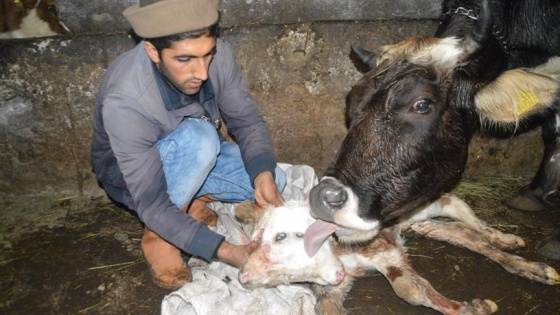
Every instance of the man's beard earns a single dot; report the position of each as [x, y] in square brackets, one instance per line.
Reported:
[176, 84]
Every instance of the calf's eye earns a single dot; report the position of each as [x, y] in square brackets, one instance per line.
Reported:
[422, 106]
[280, 237]
[299, 235]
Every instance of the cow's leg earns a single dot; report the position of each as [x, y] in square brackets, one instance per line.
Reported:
[388, 256]
[533, 196]
[458, 234]
[453, 207]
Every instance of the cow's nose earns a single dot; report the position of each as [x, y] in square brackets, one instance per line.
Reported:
[325, 198]
[335, 196]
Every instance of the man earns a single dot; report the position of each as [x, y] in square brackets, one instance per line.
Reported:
[156, 148]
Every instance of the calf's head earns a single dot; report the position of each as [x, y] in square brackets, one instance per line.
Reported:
[410, 119]
[281, 257]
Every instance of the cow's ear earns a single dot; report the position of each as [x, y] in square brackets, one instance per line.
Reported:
[519, 93]
[363, 60]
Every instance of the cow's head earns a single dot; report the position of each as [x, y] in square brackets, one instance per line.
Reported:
[48, 12]
[31, 18]
[410, 120]
[281, 257]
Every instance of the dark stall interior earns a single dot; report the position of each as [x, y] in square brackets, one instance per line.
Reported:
[66, 249]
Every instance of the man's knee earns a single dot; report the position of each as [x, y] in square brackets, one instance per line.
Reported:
[193, 132]
[192, 135]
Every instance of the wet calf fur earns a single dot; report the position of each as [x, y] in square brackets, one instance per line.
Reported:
[281, 258]
[384, 253]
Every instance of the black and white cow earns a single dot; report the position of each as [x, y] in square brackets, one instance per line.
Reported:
[413, 113]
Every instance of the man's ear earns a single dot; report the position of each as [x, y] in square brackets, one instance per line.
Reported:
[151, 51]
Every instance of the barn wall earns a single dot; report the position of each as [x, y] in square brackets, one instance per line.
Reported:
[104, 16]
[294, 57]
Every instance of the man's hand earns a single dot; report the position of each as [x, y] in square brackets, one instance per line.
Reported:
[266, 192]
[236, 255]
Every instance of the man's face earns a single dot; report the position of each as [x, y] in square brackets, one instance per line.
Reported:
[185, 64]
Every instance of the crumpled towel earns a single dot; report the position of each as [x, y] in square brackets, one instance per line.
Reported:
[215, 288]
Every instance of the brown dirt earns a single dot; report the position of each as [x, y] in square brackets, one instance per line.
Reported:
[80, 255]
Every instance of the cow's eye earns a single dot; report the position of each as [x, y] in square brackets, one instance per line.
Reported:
[422, 106]
[281, 236]
[52, 9]
[299, 235]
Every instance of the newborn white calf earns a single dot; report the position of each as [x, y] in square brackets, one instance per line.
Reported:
[281, 257]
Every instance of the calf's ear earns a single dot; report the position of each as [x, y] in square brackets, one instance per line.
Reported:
[519, 93]
[246, 212]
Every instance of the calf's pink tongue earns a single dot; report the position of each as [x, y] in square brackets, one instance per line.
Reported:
[316, 234]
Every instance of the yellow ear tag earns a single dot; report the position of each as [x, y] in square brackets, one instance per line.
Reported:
[525, 101]
[17, 1]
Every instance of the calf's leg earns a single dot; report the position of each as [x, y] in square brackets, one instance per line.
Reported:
[459, 234]
[416, 290]
[387, 255]
[330, 298]
[453, 207]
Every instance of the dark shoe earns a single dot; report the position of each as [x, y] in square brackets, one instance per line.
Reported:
[168, 268]
[174, 280]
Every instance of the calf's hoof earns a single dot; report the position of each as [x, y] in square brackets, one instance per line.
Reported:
[527, 200]
[479, 307]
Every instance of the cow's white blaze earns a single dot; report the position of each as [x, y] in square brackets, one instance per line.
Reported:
[32, 26]
[353, 228]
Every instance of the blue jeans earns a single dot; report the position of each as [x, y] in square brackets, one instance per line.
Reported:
[196, 163]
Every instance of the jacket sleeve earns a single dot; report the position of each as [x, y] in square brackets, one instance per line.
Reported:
[133, 138]
[242, 115]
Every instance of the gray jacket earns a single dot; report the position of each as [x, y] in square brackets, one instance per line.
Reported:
[132, 115]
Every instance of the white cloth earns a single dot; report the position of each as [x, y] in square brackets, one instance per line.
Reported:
[215, 288]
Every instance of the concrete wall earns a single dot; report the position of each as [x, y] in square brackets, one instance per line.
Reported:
[299, 74]
[104, 16]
